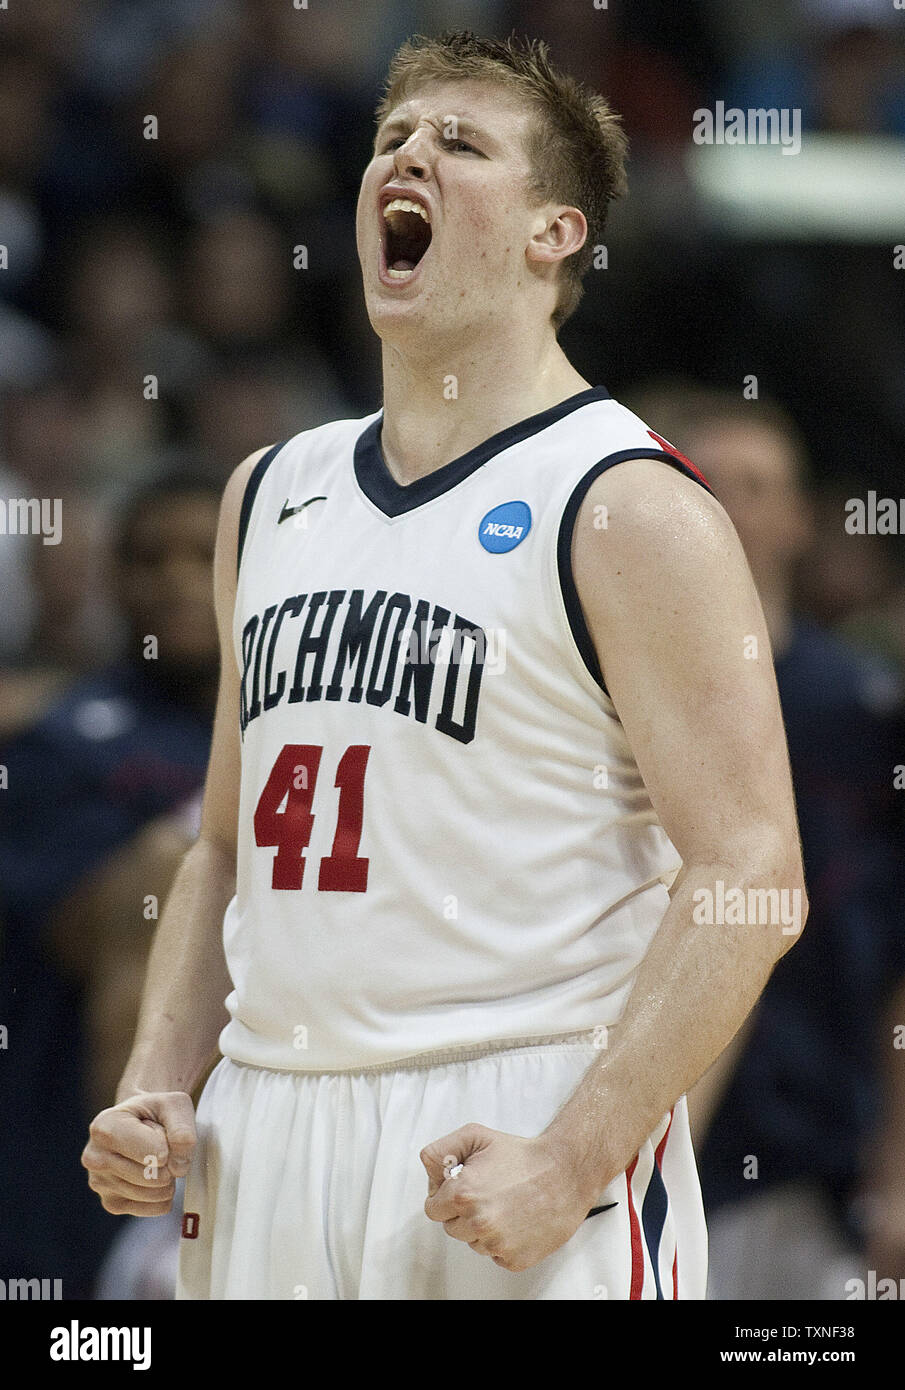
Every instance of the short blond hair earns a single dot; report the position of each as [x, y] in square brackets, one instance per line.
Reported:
[576, 148]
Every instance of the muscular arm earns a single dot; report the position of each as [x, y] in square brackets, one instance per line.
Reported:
[182, 1009]
[672, 611]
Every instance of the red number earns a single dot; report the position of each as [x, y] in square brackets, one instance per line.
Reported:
[342, 871]
[292, 780]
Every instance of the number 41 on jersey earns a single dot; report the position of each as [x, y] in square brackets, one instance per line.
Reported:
[292, 779]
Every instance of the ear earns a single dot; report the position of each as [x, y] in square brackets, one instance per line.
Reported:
[557, 236]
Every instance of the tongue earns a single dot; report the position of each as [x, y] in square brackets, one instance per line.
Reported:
[403, 265]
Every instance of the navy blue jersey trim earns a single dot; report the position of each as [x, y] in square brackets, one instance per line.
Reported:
[255, 479]
[564, 547]
[393, 499]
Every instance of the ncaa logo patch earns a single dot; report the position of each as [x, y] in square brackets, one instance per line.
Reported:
[504, 527]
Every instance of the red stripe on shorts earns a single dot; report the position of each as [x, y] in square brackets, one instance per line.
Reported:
[637, 1283]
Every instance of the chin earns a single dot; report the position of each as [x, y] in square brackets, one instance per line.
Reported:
[391, 317]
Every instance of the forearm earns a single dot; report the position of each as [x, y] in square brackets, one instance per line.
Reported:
[691, 994]
[182, 1008]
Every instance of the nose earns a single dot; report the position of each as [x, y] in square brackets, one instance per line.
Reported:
[410, 158]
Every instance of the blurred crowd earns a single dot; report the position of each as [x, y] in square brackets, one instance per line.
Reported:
[162, 166]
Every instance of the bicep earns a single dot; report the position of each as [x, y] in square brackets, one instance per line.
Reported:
[680, 635]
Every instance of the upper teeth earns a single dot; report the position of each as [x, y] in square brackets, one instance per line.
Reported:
[406, 205]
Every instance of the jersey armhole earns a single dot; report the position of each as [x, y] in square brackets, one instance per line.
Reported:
[574, 612]
[255, 478]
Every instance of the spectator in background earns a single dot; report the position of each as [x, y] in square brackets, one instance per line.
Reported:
[236, 281]
[840, 62]
[46, 444]
[788, 1119]
[191, 163]
[26, 348]
[55, 620]
[260, 395]
[855, 583]
[120, 331]
[117, 752]
[632, 53]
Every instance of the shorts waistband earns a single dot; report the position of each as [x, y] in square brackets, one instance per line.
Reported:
[443, 1056]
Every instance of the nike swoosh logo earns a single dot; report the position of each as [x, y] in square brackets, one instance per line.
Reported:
[595, 1211]
[291, 511]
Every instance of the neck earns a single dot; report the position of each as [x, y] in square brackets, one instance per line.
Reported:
[439, 403]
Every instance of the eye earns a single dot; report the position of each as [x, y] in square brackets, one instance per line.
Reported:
[461, 144]
[392, 144]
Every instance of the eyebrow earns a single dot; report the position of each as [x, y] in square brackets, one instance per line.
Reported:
[466, 127]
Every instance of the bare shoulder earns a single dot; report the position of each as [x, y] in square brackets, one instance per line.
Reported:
[680, 636]
[649, 497]
[646, 522]
[663, 580]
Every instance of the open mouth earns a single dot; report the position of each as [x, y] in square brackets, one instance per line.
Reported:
[406, 236]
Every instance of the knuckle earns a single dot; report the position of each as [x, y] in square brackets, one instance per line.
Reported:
[100, 1128]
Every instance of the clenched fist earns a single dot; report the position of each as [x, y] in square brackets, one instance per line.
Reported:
[138, 1149]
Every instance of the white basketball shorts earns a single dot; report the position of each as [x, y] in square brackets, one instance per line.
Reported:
[309, 1185]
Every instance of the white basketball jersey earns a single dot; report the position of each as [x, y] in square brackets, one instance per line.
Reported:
[444, 838]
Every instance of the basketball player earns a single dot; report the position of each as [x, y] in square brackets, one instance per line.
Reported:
[497, 708]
